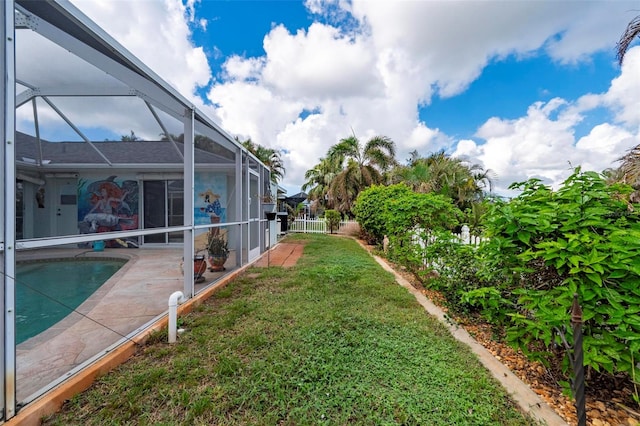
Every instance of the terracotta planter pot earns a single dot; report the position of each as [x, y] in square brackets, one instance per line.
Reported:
[199, 266]
[217, 263]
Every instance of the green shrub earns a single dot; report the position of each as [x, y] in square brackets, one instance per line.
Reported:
[411, 219]
[582, 239]
[370, 207]
[542, 247]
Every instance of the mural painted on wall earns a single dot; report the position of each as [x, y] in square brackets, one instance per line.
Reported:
[210, 198]
[108, 205]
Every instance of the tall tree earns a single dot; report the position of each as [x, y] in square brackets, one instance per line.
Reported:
[269, 156]
[366, 164]
[130, 138]
[439, 173]
[629, 171]
[319, 178]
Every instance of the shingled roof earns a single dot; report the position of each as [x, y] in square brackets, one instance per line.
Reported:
[118, 152]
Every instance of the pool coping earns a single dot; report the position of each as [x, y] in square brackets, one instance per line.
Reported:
[88, 304]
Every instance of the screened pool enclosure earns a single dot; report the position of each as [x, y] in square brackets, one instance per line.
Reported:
[77, 187]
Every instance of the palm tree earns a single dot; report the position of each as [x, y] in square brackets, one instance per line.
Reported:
[269, 157]
[319, 178]
[345, 187]
[415, 174]
[613, 175]
[377, 156]
[629, 171]
[632, 31]
[366, 165]
[130, 138]
[452, 177]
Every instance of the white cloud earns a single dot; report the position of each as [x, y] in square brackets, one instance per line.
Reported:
[238, 68]
[373, 78]
[239, 101]
[157, 32]
[606, 143]
[319, 63]
[534, 145]
[542, 143]
[424, 139]
[624, 95]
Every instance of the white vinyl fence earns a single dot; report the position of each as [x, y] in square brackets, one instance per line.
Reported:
[421, 240]
[464, 237]
[319, 226]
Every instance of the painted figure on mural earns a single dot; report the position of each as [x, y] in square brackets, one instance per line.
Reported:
[211, 203]
[111, 200]
[108, 206]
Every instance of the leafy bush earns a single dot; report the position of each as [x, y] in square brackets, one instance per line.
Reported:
[582, 239]
[541, 248]
[453, 269]
[411, 219]
[370, 209]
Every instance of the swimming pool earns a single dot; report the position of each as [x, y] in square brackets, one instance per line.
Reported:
[46, 292]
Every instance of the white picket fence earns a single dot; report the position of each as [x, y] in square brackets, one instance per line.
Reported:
[420, 240]
[318, 226]
[463, 237]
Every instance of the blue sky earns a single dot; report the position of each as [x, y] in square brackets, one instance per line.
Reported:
[507, 87]
[522, 88]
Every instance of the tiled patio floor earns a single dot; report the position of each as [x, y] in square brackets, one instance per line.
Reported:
[283, 254]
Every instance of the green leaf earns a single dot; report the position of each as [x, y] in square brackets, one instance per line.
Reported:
[524, 236]
[596, 278]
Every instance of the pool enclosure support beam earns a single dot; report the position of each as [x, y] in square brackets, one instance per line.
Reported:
[247, 203]
[188, 252]
[8, 210]
[75, 129]
[147, 88]
[217, 136]
[239, 201]
[164, 129]
[36, 127]
[72, 92]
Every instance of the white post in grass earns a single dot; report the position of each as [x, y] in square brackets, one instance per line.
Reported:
[174, 300]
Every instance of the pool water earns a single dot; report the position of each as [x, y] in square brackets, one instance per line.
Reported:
[46, 292]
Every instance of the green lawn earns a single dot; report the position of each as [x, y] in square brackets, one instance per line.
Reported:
[331, 341]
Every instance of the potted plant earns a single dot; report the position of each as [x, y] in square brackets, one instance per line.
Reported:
[199, 267]
[218, 250]
[268, 204]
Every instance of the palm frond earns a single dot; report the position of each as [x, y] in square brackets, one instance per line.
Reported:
[632, 31]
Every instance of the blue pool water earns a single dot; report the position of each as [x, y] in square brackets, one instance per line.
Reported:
[46, 292]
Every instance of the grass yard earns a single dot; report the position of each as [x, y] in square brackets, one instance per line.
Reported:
[333, 340]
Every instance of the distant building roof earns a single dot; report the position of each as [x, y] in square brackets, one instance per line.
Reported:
[300, 195]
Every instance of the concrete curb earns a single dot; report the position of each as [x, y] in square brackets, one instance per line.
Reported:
[527, 399]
